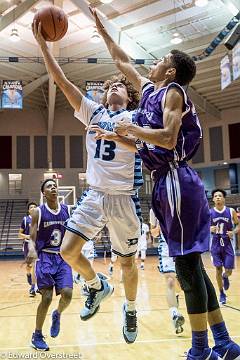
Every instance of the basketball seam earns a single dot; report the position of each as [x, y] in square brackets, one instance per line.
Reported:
[53, 24]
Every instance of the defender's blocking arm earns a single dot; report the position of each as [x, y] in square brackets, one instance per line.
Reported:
[121, 59]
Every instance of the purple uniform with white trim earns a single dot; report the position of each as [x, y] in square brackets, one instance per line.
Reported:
[51, 269]
[25, 226]
[222, 250]
[178, 201]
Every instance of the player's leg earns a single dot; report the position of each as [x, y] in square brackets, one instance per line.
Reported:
[124, 229]
[86, 222]
[228, 262]
[63, 284]
[176, 317]
[219, 273]
[98, 289]
[130, 282]
[190, 276]
[38, 341]
[224, 346]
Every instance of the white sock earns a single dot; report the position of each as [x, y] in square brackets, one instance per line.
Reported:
[173, 311]
[94, 283]
[131, 305]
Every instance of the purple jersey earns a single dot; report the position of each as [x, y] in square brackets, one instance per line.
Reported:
[25, 225]
[150, 115]
[178, 200]
[51, 227]
[223, 220]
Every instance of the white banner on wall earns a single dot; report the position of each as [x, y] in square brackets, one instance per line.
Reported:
[225, 72]
[236, 61]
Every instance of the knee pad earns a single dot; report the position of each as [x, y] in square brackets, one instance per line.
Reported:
[191, 280]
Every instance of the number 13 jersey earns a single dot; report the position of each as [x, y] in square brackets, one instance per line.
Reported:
[111, 167]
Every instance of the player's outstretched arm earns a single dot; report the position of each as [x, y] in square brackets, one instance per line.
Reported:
[121, 59]
[72, 93]
[166, 137]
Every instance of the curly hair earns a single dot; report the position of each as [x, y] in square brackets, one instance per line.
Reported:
[185, 67]
[132, 93]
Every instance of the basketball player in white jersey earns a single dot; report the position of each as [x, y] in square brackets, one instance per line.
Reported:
[167, 268]
[113, 173]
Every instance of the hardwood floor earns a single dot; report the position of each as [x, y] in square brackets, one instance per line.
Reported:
[100, 338]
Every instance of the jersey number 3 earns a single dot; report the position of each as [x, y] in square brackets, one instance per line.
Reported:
[56, 237]
[108, 153]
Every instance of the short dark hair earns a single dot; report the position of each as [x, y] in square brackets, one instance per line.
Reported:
[44, 183]
[184, 65]
[31, 203]
[219, 190]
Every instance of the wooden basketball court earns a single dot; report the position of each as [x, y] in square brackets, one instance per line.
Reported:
[100, 338]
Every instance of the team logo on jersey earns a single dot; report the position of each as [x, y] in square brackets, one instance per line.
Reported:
[132, 242]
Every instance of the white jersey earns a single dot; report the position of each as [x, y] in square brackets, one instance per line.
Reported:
[111, 167]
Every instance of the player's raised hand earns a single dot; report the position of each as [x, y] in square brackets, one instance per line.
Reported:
[99, 25]
[36, 29]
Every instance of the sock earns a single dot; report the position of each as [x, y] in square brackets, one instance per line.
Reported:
[38, 332]
[199, 342]
[173, 311]
[95, 283]
[131, 305]
[220, 333]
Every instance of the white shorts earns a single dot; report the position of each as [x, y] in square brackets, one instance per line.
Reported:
[166, 263]
[120, 213]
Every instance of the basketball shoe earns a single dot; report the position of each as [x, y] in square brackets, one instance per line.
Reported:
[55, 328]
[208, 354]
[230, 351]
[94, 299]
[130, 329]
[38, 342]
[223, 298]
[226, 282]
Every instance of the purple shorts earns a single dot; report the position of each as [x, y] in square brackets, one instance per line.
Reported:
[180, 204]
[223, 256]
[53, 271]
[25, 249]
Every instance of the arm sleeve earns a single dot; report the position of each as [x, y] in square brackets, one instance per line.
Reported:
[86, 110]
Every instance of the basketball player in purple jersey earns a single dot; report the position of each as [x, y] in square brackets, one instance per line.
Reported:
[168, 134]
[23, 234]
[47, 231]
[224, 224]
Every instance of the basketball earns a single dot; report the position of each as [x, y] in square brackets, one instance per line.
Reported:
[54, 22]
